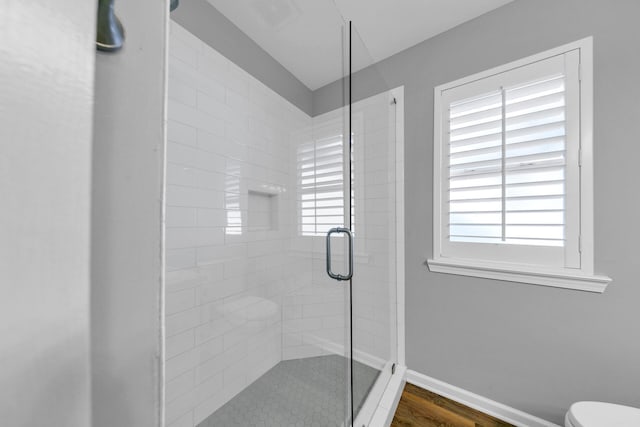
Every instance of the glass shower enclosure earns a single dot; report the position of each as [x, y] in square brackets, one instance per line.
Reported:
[281, 240]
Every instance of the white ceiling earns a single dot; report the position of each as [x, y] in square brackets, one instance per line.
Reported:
[305, 36]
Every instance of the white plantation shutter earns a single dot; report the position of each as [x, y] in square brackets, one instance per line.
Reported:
[510, 150]
[535, 163]
[321, 185]
[507, 165]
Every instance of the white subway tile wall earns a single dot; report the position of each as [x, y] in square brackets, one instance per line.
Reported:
[228, 137]
[243, 289]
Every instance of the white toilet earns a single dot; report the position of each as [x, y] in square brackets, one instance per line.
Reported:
[600, 414]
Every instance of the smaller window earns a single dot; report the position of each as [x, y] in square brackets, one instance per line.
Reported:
[321, 185]
[513, 190]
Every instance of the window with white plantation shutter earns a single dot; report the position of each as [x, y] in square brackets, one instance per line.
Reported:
[507, 165]
[321, 185]
[510, 190]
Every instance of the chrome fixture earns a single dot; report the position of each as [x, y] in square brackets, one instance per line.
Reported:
[350, 237]
[110, 34]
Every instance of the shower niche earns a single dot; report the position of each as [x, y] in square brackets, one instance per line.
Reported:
[262, 210]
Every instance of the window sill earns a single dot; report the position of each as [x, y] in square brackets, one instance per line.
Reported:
[521, 274]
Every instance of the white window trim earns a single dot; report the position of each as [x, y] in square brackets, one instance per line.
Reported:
[580, 279]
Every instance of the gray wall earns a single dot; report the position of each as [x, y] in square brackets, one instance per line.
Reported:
[534, 348]
[212, 27]
[127, 204]
[46, 95]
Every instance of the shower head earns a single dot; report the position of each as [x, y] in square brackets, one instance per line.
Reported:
[110, 34]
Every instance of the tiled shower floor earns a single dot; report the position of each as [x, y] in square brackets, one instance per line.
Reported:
[306, 392]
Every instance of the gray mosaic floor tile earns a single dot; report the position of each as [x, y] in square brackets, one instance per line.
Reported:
[306, 392]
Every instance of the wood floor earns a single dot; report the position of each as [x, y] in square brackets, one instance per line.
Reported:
[422, 408]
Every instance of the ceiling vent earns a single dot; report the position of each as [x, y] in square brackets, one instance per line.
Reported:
[276, 13]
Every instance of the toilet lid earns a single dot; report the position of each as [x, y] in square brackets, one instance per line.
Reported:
[598, 414]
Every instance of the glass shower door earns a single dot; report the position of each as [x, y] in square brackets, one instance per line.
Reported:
[316, 324]
[361, 252]
[372, 122]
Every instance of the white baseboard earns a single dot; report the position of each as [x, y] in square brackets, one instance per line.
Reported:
[472, 400]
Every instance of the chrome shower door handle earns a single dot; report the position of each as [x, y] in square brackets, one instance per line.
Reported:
[350, 237]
